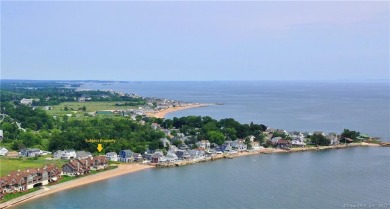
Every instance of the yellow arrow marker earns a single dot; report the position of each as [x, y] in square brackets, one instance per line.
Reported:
[100, 147]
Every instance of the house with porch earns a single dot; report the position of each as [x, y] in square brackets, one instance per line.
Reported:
[126, 156]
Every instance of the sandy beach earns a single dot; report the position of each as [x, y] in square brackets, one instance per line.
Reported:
[48, 190]
[162, 113]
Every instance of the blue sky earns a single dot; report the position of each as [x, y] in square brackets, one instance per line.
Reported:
[265, 40]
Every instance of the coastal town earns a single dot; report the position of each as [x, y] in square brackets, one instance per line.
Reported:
[77, 137]
[80, 163]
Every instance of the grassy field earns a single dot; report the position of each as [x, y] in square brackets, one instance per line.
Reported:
[12, 164]
[73, 107]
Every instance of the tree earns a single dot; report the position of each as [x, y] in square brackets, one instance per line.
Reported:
[319, 139]
[216, 137]
[349, 134]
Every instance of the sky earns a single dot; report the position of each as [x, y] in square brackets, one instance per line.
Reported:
[191, 41]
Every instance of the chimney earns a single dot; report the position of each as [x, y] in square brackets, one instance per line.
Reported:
[78, 166]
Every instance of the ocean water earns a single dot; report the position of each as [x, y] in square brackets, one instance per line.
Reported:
[291, 105]
[325, 179]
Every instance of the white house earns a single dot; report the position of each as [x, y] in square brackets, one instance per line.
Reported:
[239, 145]
[1, 135]
[171, 157]
[112, 156]
[3, 151]
[65, 154]
[204, 144]
[26, 101]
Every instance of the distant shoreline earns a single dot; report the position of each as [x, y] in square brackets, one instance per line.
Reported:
[163, 113]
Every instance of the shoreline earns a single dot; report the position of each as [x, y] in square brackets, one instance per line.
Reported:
[48, 190]
[163, 113]
[131, 168]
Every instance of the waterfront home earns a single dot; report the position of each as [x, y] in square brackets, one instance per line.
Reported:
[183, 154]
[83, 155]
[333, 138]
[283, 144]
[158, 157]
[97, 162]
[275, 140]
[30, 152]
[137, 157]
[112, 156]
[17, 181]
[204, 144]
[76, 167]
[3, 151]
[239, 145]
[256, 145]
[296, 135]
[297, 143]
[196, 154]
[226, 147]
[147, 157]
[126, 156]
[171, 157]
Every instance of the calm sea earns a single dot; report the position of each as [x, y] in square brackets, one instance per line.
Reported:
[290, 105]
[326, 179]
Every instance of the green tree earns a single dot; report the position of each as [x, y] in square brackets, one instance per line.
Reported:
[216, 137]
[319, 139]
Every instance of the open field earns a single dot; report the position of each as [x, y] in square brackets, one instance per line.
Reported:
[73, 107]
[12, 164]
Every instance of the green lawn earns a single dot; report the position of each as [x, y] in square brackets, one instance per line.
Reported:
[73, 107]
[18, 194]
[13, 164]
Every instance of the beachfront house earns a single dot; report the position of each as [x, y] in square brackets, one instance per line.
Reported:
[98, 162]
[239, 145]
[158, 157]
[183, 155]
[64, 154]
[256, 146]
[17, 181]
[333, 138]
[283, 144]
[171, 157]
[75, 167]
[112, 156]
[3, 151]
[196, 154]
[126, 156]
[137, 157]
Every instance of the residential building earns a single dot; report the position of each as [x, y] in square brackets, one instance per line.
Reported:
[204, 144]
[126, 156]
[83, 154]
[27, 102]
[3, 151]
[112, 156]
